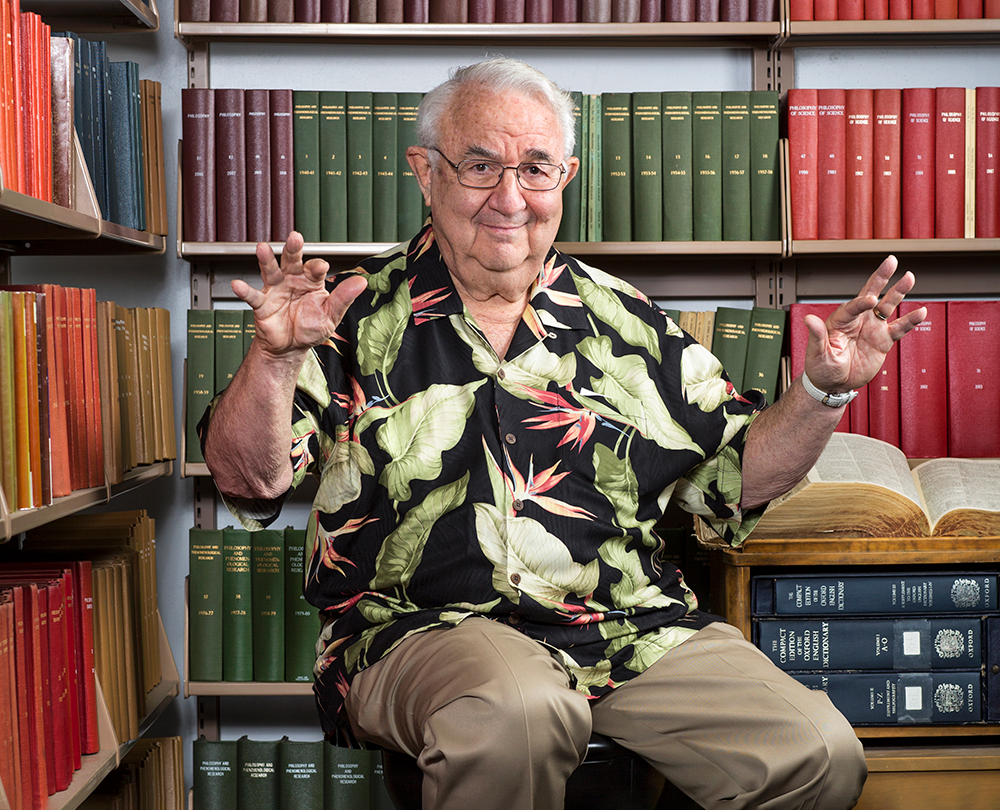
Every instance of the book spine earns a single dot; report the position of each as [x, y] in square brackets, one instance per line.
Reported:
[282, 146]
[258, 165]
[564, 11]
[616, 124]
[228, 346]
[678, 222]
[729, 342]
[338, 11]
[973, 346]
[649, 11]
[333, 200]
[484, 12]
[569, 225]
[306, 163]
[237, 609]
[257, 781]
[852, 9]
[884, 401]
[764, 342]
[949, 163]
[800, 9]
[679, 10]
[765, 169]
[803, 133]
[200, 375]
[859, 159]
[385, 181]
[359, 166]
[198, 164]
[900, 10]
[706, 164]
[540, 11]
[513, 11]
[987, 162]
[410, 205]
[734, 10]
[214, 777]
[62, 56]
[647, 167]
[918, 173]
[736, 166]
[831, 135]
[888, 168]
[301, 618]
[205, 588]
[230, 165]
[871, 644]
[300, 774]
[308, 11]
[268, 602]
[348, 773]
[923, 383]
[281, 11]
[706, 10]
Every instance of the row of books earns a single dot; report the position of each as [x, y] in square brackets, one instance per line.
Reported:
[933, 395]
[893, 9]
[331, 164]
[641, 179]
[248, 619]
[151, 774]
[889, 648]
[911, 163]
[478, 11]
[247, 774]
[85, 391]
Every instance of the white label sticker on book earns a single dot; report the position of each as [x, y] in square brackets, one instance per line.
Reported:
[911, 642]
[914, 698]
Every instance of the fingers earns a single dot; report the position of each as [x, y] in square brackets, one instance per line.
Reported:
[343, 296]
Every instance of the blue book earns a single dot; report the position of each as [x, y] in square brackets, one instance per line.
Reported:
[872, 644]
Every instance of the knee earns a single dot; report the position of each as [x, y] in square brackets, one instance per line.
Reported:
[841, 766]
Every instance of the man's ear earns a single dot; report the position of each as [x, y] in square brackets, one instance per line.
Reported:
[572, 167]
[416, 156]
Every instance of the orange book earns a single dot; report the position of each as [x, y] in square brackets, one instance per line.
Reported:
[95, 441]
[23, 395]
[76, 413]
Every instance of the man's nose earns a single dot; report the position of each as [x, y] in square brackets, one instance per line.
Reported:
[508, 191]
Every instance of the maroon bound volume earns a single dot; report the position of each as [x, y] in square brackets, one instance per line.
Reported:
[485, 12]
[973, 348]
[447, 11]
[917, 187]
[198, 164]
[540, 11]
[224, 10]
[802, 145]
[258, 163]
[389, 11]
[649, 11]
[564, 11]
[363, 11]
[706, 10]
[282, 170]
[624, 11]
[678, 10]
[281, 11]
[988, 162]
[415, 11]
[734, 10]
[923, 383]
[230, 166]
[858, 164]
[337, 11]
[307, 11]
[512, 11]
[763, 10]
[253, 10]
[831, 134]
[886, 156]
[949, 163]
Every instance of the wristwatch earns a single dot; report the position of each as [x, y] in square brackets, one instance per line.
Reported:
[830, 400]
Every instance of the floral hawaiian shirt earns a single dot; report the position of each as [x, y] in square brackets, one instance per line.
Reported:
[455, 483]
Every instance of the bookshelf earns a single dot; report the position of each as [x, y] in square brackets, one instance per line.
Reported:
[136, 16]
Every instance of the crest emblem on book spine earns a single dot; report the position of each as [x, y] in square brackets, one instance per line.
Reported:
[965, 593]
[949, 698]
[949, 644]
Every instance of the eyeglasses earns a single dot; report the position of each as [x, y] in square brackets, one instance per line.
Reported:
[475, 173]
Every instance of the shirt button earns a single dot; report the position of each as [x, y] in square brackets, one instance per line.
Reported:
[513, 618]
[510, 438]
[515, 578]
[518, 504]
[501, 374]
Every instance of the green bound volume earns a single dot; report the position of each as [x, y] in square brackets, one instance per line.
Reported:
[306, 163]
[729, 342]
[384, 159]
[765, 174]
[237, 621]
[348, 774]
[333, 166]
[267, 566]
[647, 168]
[200, 375]
[410, 207]
[586, 161]
[595, 197]
[205, 605]
[767, 330]
[359, 166]
[736, 166]
[300, 774]
[380, 798]
[677, 217]
[257, 782]
[249, 330]
[301, 618]
[228, 346]
[706, 179]
[214, 775]
[569, 227]
[616, 123]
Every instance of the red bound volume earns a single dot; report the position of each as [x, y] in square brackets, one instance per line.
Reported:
[339, 11]
[540, 11]
[851, 9]
[900, 10]
[831, 135]
[485, 12]
[883, 399]
[563, 11]
[945, 9]
[949, 163]
[282, 168]
[649, 11]
[800, 9]
[991, 9]
[988, 162]
[258, 162]
[230, 165]
[922, 9]
[678, 10]
[876, 9]
[858, 160]
[512, 11]
[802, 161]
[734, 10]
[923, 383]
[450, 11]
[970, 9]
[973, 348]
[198, 163]
[917, 186]
[825, 9]
[798, 339]
[887, 162]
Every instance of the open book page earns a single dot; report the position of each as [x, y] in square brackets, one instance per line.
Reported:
[851, 458]
[947, 484]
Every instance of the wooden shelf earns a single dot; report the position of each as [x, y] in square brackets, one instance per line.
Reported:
[96, 15]
[834, 247]
[25, 519]
[871, 32]
[230, 688]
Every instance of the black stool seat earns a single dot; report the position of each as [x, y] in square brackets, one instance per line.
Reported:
[609, 776]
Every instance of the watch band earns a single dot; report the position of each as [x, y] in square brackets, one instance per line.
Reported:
[830, 400]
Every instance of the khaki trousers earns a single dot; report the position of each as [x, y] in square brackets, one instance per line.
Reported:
[492, 720]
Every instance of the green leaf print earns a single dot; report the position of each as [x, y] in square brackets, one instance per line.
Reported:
[655, 645]
[608, 307]
[700, 373]
[417, 432]
[403, 549]
[633, 588]
[341, 479]
[380, 335]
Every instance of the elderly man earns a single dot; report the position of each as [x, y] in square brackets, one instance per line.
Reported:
[497, 427]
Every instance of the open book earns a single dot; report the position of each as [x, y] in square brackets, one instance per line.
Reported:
[864, 487]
